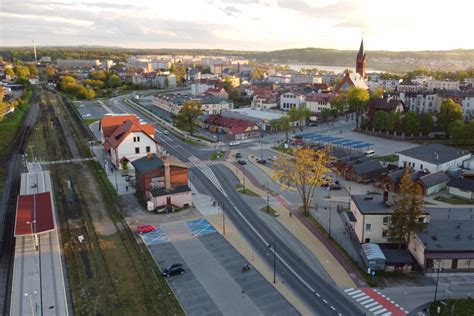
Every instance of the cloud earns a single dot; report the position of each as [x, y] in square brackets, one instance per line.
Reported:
[230, 11]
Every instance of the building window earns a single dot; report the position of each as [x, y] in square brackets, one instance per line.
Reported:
[385, 233]
[421, 166]
[137, 150]
[136, 139]
[386, 220]
[367, 240]
[368, 227]
[147, 149]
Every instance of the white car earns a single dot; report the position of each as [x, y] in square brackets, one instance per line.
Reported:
[236, 143]
[87, 115]
[166, 132]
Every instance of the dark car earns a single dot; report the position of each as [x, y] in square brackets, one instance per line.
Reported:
[335, 187]
[262, 161]
[242, 162]
[238, 155]
[176, 268]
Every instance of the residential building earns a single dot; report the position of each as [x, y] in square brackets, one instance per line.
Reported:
[432, 85]
[385, 105]
[433, 182]
[409, 87]
[77, 63]
[209, 104]
[305, 79]
[235, 128]
[125, 139]
[420, 102]
[263, 118]
[372, 215]
[317, 102]
[154, 79]
[33, 79]
[291, 99]
[264, 102]
[432, 157]
[162, 182]
[218, 92]
[365, 171]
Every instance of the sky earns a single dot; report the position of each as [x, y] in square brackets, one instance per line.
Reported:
[240, 24]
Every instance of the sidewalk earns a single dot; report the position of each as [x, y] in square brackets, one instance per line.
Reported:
[304, 232]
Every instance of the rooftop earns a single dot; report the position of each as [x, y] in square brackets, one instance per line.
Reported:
[147, 163]
[371, 204]
[434, 153]
[462, 184]
[448, 235]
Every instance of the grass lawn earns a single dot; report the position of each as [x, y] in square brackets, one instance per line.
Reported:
[389, 158]
[89, 121]
[12, 122]
[454, 200]
[283, 150]
[462, 307]
[217, 155]
[270, 211]
[241, 189]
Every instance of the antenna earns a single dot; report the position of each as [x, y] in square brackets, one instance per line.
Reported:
[34, 49]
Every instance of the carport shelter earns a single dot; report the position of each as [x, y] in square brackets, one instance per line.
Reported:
[373, 256]
[34, 214]
[398, 260]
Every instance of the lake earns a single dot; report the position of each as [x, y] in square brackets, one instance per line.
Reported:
[336, 69]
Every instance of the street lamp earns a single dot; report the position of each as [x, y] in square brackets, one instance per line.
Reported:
[31, 301]
[329, 221]
[437, 280]
[274, 259]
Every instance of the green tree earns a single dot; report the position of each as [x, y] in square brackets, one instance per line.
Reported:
[339, 102]
[426, 123]
[22, 72]
[33, 69]
[10, 72]
[285, 125]
[188, 113]
[89, 94]
[303, 114]
[393, 119]
[179, 71]
[450, 111]
[407, 211]
[98, 75]
[357, 99]
[294, 116]
[411, 123]
[257, 74]
[67, 82]
[377, 93]
[379, 121]
[114, 81]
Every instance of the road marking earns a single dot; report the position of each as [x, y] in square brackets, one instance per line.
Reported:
[381, 311]
[325, 302]
[358, 295]
[363, 303]
[362, 298]
[332, 307]
[387, 314]
[348, 290]
[354, 292]
[371, 304]
[376, 308]
[317, 294]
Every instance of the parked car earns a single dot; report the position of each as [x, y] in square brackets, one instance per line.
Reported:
[242, 162]
[166, 132]
[262, 161]
[335, 187]
[272, 158]
[175, 268]
[236, 143]
[238, 155]
[145, 228]
[86, 115]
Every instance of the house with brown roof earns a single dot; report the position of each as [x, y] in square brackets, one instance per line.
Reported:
[125, 139]
[351, 80]
[235, 128]
[384, 104]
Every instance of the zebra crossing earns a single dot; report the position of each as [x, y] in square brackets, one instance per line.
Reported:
[375, 303]
[204, 166]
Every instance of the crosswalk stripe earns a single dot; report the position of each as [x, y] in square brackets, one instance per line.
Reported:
[354, 292]
[371, 304]
[376, 308]
[348, 290]
[380, 311]
[387, 314]
[362, 298]
[358, 295]
[366, 301]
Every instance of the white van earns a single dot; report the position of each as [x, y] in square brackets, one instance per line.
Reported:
[370, 153]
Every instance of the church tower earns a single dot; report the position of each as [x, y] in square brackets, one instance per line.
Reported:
[361, 61]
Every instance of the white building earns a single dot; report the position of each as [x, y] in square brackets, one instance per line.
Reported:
[305, 78]
[200, 87]
[442, 85]
[432, 157]
[77, 63]
[209, 104]
[289, 100]
[264, 102]
[421, 102]
[317, 102]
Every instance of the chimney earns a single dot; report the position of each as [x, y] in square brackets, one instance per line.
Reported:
[385, 197]
[167, 173]
[149, 156]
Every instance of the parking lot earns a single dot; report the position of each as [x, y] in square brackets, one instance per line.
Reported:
[213, 282]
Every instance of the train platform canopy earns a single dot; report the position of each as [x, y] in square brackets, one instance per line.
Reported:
[34, 214]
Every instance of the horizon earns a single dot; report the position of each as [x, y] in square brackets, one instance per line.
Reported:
[264, 25]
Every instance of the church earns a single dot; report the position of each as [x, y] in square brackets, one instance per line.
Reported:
[355, 79]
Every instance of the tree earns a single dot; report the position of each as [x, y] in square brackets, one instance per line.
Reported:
[50, 72]
[407, 211]
[257, 74]
[377, 93]
[179, 71]
[303, 114]
[33, 69]
[10, 73]
[426, 123]
[98, 75]
[67, 82]
[393, 119]
[22, 72]
[188, 113]
[411, 124]
[379, 121]
[339, 102]
[305, 170]
[89, 94]
[294, 116]
[357, 99]
[114, 81]
[450, 111]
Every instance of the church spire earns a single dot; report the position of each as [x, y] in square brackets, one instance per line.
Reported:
[361, 60]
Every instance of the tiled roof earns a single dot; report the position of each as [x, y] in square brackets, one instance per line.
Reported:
[109, 123]
[124, 130]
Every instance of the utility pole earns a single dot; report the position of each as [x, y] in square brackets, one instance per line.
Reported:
[437, 280]
[223, 220]
[268, 199]
[330, 213]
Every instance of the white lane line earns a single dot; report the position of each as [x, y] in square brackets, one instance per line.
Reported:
[387, 314]
[332, 307]
[325, 302]
[371, 305]
[317, 294]
[370, 300]
[380, 311]
[348, 290]
[354, 292]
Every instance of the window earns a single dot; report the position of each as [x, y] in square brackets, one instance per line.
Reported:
[137, 150]
[367, 240]
[136, 139]
[421, 166]
[386, 220]
[368, 227]
[147, 149]
[385, 233]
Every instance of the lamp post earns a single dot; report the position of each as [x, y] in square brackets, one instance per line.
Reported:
[437, 280]
[329, 220]
[223, 220]
[31, 301]
[268, 199]
[33, 238]
[274, 259]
